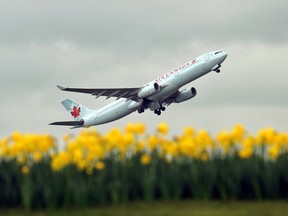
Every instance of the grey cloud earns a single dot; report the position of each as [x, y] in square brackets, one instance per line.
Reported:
[128, 43]
[252, 74]
[140, 26]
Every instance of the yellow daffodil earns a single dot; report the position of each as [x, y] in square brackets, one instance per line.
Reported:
[25, 169]
[145, 159]
[99, 165]
[273, 152]
[245, 152]
[162, 128]
[87, 149]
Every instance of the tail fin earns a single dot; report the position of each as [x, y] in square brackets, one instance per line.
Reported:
[77, 111]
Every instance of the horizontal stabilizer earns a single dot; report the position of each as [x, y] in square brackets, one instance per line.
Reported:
[68, 123]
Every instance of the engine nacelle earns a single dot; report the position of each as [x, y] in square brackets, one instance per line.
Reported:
[186, 94]
[149, 90]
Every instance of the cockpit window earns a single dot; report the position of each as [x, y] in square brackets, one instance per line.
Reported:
[217, 52]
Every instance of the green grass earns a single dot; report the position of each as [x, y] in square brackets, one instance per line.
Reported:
[181, 208]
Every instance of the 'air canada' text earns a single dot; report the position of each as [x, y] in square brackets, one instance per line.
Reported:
[172, 72]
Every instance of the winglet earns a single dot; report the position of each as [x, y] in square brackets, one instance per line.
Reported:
[61, 88]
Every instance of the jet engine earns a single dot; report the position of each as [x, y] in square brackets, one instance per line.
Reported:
[186, 94]
[148, 90]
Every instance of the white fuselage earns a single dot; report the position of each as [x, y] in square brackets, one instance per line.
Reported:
[169, 84]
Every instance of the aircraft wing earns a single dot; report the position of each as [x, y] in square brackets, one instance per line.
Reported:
[170, 99]
[128, 93]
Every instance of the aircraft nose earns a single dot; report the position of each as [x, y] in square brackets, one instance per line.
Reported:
[223, 56]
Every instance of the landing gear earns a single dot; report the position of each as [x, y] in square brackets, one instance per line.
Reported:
[145, 105]
[158, 111]
[152, 105]
[216, 68]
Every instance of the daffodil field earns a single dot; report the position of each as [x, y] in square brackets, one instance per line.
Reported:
[90, 168]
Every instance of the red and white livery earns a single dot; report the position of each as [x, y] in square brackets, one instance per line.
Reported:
[155, 95]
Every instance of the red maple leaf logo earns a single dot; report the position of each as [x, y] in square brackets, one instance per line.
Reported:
[75, 112]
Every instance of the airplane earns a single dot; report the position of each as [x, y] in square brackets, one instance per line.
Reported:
[155, 95]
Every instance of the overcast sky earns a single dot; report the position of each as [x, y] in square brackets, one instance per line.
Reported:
[129, 43]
